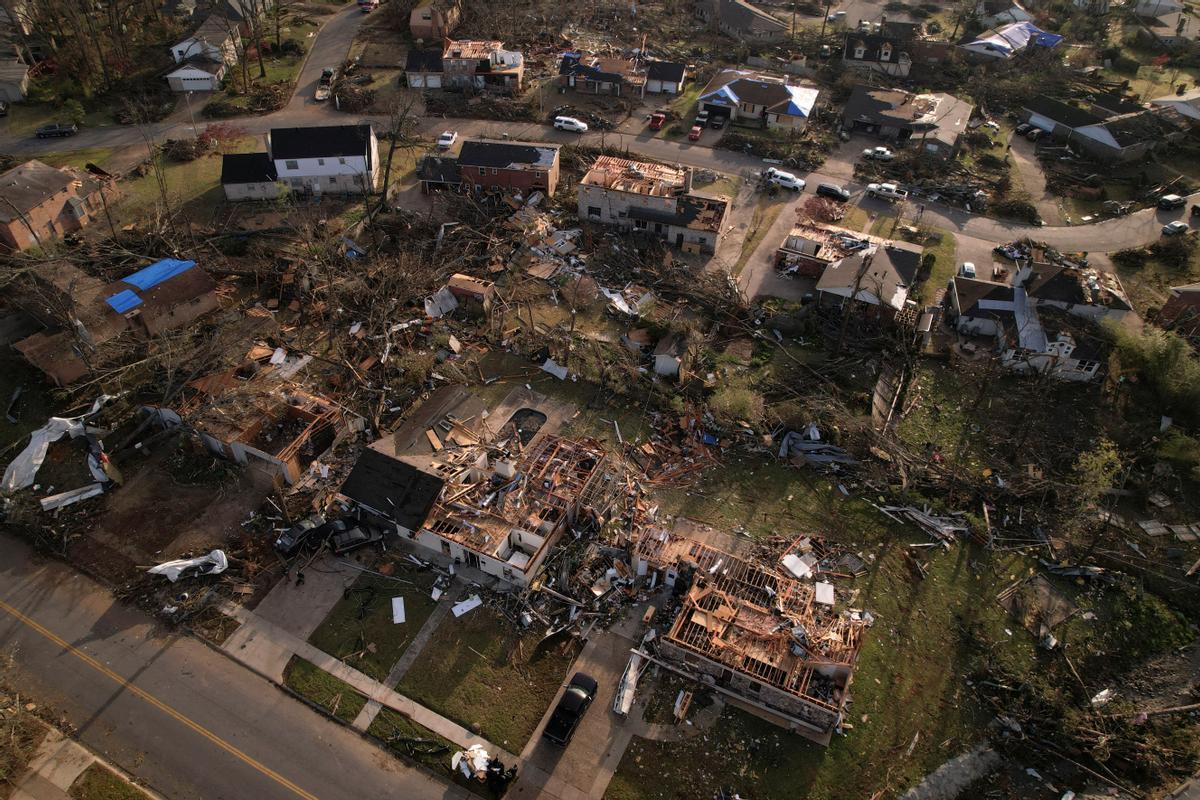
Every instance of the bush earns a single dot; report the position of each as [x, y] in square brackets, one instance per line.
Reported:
[222, 108]
[734, 404]
[1167, 363]
[1183, 452]
[183, 149]
[1020, 210]
[73, 110]
[1174, 251]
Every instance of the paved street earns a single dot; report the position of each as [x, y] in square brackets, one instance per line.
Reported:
[329, 50]
[169, 710]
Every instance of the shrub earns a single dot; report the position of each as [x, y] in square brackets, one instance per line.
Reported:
[1166, 361]
[1183, 452]
[734, 404]
[1174, 251]
[1020, 210]
[73, 109]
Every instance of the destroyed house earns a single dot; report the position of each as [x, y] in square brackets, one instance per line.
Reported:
[1081, 292]
[883, 54]
[762, 636]
[498, 511]
[479, 65]
[254, 414]
[82, 313]
[811, 247]
[594, 74]
[653, 199]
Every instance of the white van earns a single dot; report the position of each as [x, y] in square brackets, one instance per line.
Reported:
[785, 179]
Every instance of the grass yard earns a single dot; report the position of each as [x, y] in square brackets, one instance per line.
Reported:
[419, 744]
[481, 673]
[194, 186]
[78, 158]
[593, 403]
[1148, 282]
[25, 118]
[319, 687]
[765, 213]
[21, 734]
[98, 782]
[359, 630]
[944, 252]
[856, 218]
[727, 185]
[884, 224]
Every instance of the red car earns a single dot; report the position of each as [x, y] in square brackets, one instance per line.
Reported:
[656, 121]
[694, 133]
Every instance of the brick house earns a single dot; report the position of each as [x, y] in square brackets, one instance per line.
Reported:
[41, 202]
[434, 19]
[467, 64]
[514, 167]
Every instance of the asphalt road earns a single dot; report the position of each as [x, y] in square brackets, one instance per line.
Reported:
[329, 50]
[186, 720]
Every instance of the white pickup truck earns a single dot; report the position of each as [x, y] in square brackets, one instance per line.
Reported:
[888, 191]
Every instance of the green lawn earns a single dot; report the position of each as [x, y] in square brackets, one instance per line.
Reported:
[319, 687]
[359, 630]
[417, 743]
[100, 156]
[24, 118]
[1148, 283]
[195, 184]
[478, 671]
[97, 782]
[856, 218]
[944, 252]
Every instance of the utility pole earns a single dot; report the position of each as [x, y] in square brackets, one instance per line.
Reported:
[187, 96]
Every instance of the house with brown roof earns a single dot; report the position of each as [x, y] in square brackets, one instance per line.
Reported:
[879, 277]
[759, 99]
[936, 121]
[876, 53]
[739, 19]
[81, 312]
[39, 203]
[1181, 312]
[434, 19]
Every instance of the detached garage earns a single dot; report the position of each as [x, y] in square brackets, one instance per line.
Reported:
[199, 75]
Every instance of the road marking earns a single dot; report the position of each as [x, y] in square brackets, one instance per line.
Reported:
[154, 701]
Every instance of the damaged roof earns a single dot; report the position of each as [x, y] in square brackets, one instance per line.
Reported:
[734, 87]
[29, 185]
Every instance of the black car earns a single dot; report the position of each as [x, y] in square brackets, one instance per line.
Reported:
[293, 539]
[579, 694]
[1023, 129]
[3, 109]
[716, 123]
[1170, 202]
[833, 192]
[57, 129]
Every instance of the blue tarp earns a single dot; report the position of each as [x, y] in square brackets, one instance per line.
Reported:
[124, 300]
[157, 273]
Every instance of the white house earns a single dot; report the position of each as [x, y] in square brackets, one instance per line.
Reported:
[14, 81]
[321, 160]
[752, 98]
[216, 39]
[1187, 104]
[197, 75]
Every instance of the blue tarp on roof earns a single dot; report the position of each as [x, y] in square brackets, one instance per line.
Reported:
[157, 273]
[124, 300]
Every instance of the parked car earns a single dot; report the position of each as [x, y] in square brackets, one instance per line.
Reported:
[888, 191]
[657, 120]
[325, 83]
[447, 140]
[570, 124]
[1174, 228]
[967, 270]
[702, 118]
[783, 179]
[294, 538]
[367, 6]
[1170, 202]
[345, 535]
[1033, 134]
[878, 154]
[1196, 211]
[1023, 129]
[57, 129]
[694, 133]
[837, 16]
[3, 109]
[576, 698]
[716, 122]
[833, 192]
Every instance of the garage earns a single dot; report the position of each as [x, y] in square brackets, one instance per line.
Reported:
[196, 76]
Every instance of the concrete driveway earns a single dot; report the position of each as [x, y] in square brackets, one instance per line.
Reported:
[591, 757]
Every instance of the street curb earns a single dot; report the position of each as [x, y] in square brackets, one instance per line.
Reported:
[308, 54]
[287, 690]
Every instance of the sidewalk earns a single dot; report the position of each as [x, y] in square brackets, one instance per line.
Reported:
[278, 642]
[57, 764]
